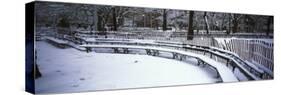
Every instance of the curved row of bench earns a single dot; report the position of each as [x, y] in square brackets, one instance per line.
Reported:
[251, 71]
[222, 71]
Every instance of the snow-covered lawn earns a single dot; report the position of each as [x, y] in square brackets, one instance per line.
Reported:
[70, 70]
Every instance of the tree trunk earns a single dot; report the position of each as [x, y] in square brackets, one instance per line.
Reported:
[190, 26]
[229, 24]
[222, 24]
[164, 26]
[133, 21]
[95, 20]
[269, 22]
[206, 22]
[114, 19]
[235, 23]
[247, 21]
[150, 19]
[99, 23]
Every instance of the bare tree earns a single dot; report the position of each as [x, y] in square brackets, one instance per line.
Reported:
[207, 27]
[118, 14]
[235, 23]
[103, 13]
[269, 23]
[223, 22]
[229, 24]
[190, 26]
[114, 19]
[164, 25]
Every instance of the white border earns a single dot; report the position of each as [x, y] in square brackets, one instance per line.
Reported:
[12, 46]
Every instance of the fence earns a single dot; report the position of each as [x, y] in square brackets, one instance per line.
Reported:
[257, 51]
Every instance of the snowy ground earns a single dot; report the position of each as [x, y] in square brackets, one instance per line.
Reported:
[70, 70]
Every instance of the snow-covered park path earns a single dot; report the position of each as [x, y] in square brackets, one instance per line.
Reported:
[70, 70]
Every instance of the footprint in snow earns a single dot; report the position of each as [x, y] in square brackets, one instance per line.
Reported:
[75, 85]
[58, 71]
[82, 79]
[136, 61]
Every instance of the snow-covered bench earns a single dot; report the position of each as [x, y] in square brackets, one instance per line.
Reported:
[266, 70]
[57, 42]
[223, 72]
[248, 69]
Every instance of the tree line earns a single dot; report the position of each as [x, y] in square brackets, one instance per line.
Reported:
[114, 18]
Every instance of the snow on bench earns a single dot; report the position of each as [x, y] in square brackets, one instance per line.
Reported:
[246, 71]
[254, 66]
[135, 42]
[225, 73]
[58, 41]
[170, 42]
[268, 71]
[239, 65]
[238, 62]
[227, 55]
[120, 41]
